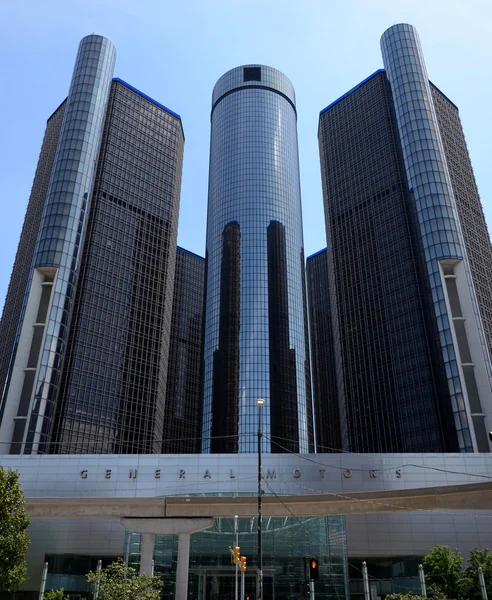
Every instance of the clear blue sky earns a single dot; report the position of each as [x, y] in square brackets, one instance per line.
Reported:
[176, 50]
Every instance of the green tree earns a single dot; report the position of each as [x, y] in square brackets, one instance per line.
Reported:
[55, 595]
[404, 597]
[14, 537]
[435, 595]
[119, 582]
[479, 558]
[444, 573]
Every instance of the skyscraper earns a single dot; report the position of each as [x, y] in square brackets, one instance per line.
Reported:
[23, 258]
[326, 412]
[412, 363]
[183, 409]
[256, 338]
[88, 365]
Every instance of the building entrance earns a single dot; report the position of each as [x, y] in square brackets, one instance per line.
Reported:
[286, 543]
[218, 583]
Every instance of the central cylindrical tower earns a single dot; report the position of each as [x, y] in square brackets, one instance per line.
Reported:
[256, 338]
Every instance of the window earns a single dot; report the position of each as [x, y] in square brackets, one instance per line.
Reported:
[252, 73]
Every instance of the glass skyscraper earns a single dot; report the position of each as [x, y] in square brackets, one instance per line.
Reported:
[115, 373]
[326, 412]
[256, 337]
[86, 369]
[23, 259]
[412, 366]
[183, 409]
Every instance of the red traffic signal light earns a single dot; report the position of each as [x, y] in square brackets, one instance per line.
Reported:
[313, 569]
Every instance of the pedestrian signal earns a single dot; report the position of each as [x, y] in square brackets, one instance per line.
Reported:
[236, 553]
[242, 564]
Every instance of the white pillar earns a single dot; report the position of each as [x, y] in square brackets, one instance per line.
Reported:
[147, 552]
[183, 566]
[43, 581]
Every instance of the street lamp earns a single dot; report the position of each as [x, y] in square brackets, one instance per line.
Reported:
[259, 403]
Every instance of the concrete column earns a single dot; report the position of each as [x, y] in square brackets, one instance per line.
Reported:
[183, 566]
[147, 553]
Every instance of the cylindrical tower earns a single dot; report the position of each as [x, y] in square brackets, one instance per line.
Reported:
[461, 333]
[256, 339]
[42, 333]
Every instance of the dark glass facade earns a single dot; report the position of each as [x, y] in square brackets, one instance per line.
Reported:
[113, 391]
[408, 270]
[463, 346]
[256, 340]
[470, 211]
[20, 272]
[87, 363]
[182, 411]
[283, 384]
[392, 393]
[226, 358]
[39, 349]
[325, 393]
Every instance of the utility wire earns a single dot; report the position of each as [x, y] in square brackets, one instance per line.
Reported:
[388, 504]
[306, 458]
[326, 544]
[272, 439]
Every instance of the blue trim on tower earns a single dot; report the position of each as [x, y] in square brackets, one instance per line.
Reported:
[352, 90]
[134, 89]
[190, 252]
[316, 253]
[441, 92]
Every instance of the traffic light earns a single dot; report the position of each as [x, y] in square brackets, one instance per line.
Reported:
[236, 552]
[242, 564]
[313, 569]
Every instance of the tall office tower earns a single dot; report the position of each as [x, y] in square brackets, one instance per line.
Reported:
[183, 409]
[88, 366]
[327, 415]
[470, 211]
[22, 265]
[412, 364]
[256, 337]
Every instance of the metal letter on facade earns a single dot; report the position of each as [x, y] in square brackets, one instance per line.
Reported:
[83, 474]
[157, 474]
[132, 473]
[297, 473]
[207, 475]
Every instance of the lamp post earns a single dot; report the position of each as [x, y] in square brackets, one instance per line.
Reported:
[259, 403]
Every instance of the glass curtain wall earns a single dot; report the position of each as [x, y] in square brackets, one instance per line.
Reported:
[286, 543]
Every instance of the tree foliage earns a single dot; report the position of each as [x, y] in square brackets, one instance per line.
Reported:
[435, 594]
[446, 576]
[119, 582]
[14, 537]
[479, 558]
[55, 595]
[404, 597]
[444, 572]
